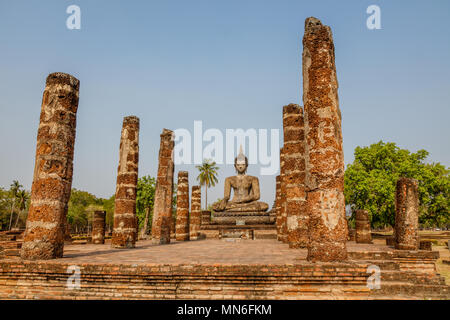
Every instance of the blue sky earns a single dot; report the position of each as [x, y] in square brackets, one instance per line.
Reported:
[231, 64]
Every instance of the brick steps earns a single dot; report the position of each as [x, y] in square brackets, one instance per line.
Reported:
[48, 280]
[10, 248]
[10, 244]
[7, 237]
[418, 291]
[411, 278]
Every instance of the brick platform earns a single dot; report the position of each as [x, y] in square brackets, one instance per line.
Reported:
[221, 269]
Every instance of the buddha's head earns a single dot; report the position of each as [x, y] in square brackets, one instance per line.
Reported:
[241, 162]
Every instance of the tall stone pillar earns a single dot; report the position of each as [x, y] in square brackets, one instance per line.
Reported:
[162, 209]
[294, 176]
[52, 180]
[196, 213]
[363, 232]
[407, 214]
[277, 205]
[124, 231]
[98, 227]
[324, 154]
[283, 201]
[182, 223]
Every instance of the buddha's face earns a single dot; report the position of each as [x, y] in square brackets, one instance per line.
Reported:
[241, 168]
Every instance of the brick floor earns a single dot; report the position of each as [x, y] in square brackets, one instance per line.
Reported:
[199, 252]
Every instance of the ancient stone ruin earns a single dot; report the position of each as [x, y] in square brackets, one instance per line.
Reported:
[124, 231]
[282, 213]
[278, 221]
[294, 176]
[52, 180]
[196, 213]
[309, 214]
[98, 227]
[407, 214]
[363, 231]
[182, 219]
[162, 209]
[312, 208]
[323, 140]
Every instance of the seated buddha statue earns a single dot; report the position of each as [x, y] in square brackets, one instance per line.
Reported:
[245, 188]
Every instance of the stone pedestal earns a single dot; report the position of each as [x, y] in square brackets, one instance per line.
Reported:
[125, 225]
[196, 214]
[182, 222]
[363, 231]
[162, 210]
[52, 180]
[242, 218]
[324, 153]
[407, 214]
[98, 227]
[245, 234]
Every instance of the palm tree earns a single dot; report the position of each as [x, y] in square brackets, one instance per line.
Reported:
[23, 198]
[207, 176]
[14, 190]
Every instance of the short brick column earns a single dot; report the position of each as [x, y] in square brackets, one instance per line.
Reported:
[281, 221]
[277, 206]
[182, 222]
[196, 213]
[363, 232]
[98, 227]
[407, 214]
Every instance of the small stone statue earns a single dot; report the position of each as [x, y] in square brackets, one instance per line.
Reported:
[246, 191]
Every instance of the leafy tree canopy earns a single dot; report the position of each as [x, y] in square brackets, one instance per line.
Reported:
[370, 183]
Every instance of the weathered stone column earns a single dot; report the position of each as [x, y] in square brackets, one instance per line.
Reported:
[52, 180]
[363, 232]
[124, 231]
[407, 214]
[182, 223]
[98, 227]
[196, 213]
[294, 176]
[277, 205]
[283, 202]
[324, 153]
[162, 209]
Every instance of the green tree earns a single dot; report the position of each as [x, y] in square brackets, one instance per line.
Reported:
[207, 176]
[23, 198]
[5, 205]
[145, 198]
[80, 205]
[14, 191]
[108, 206]
[435, 198]
[370, 183]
